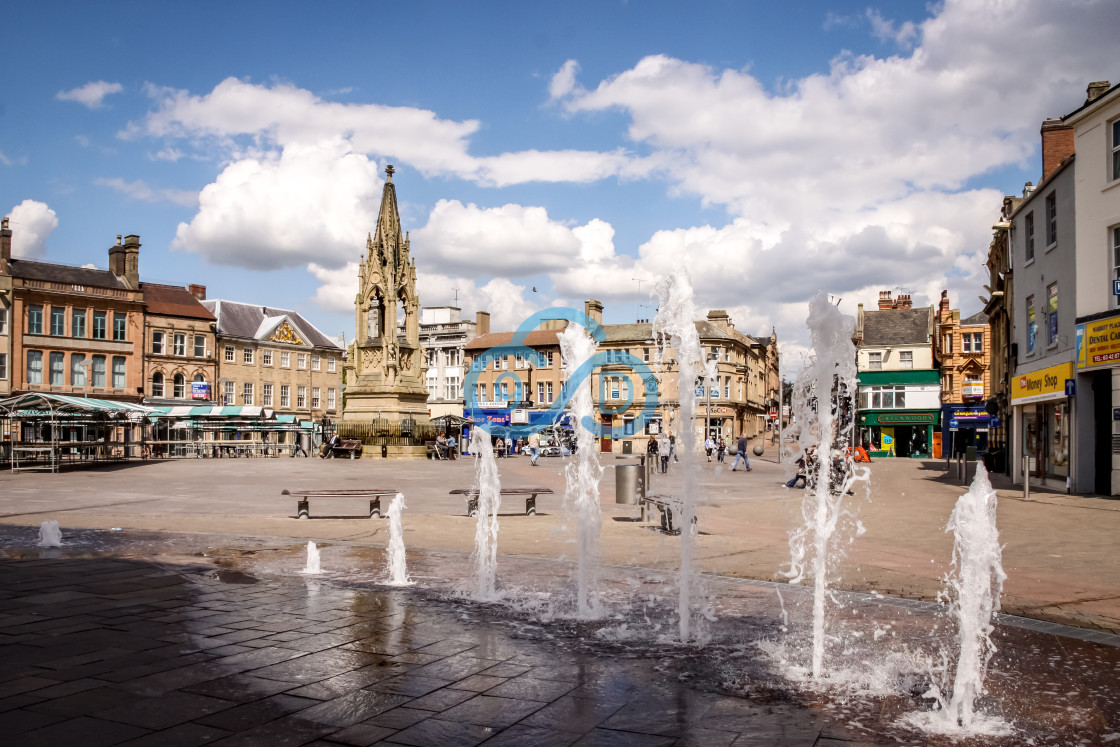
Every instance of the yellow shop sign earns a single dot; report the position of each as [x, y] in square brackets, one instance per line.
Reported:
[1048, 383]
[1098, 343]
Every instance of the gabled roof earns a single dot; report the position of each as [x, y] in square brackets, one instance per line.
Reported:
[976, 319]
[247, 321]
[897, 326]
[173, 300]
[31, 270]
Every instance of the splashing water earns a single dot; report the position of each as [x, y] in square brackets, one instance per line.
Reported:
[974, 584]
[49, 534]
[676, 327]
[312, 567]
[398, 575]
[582, 474]
[823, 411]
[486, 531]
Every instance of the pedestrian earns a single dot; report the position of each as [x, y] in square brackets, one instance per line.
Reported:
[664, 448]
[198, 446]
[651, 449]
[741, 453]
[509, 446]
[534, 448]
[721, 449]
[501, 447]
[298, 449]
[673, 446]
[452, 445]
[709, 447]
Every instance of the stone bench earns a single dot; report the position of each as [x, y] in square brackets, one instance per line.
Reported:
[303, 510]
[530, 499]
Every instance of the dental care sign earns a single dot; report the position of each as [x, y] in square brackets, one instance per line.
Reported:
[1098, 343]
[1044, 384]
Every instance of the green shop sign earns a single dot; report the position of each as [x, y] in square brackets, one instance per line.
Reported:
[900, 418]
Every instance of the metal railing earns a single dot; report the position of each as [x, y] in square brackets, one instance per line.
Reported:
[389, 432]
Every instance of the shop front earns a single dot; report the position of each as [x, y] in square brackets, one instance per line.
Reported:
[1043, 413]
[1096, 399]
[894, 433]
[964, 426]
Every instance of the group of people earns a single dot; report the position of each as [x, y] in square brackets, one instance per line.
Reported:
[665, 448]
[446, 445]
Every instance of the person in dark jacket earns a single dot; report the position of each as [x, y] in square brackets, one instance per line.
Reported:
[741, 453]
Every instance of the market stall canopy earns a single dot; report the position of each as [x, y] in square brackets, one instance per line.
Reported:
[211, 411]
[452, 421]
[45, 404]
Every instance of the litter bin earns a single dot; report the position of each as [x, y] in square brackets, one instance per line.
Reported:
[628, 483]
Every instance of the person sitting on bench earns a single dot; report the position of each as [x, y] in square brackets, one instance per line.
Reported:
[330, 446]
[441, 445]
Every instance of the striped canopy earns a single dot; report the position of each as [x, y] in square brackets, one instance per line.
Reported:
[44, 403]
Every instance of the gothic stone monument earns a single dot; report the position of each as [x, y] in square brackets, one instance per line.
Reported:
[386, 370]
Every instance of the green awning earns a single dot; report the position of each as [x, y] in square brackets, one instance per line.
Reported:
[887, 378]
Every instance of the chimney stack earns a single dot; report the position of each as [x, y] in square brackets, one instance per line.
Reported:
[481, 323]
[943, 307]
[718, 318]
[116, 258]
[904, 302]
[5, 246]
[885, 302]
[594, 309]
[132, 261]
[1095, 90]
[198, 291]
[1057, 145]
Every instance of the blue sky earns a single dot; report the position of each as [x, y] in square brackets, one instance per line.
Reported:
[771, 148]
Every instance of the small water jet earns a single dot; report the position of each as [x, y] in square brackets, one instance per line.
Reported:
[312, 568]
[583, 472]
[675, 325]
[49, 534]
[398, 575]
[486, 530]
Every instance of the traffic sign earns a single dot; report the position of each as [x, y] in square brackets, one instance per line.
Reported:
[1071, 387]
[953, 423]
[1116, 287]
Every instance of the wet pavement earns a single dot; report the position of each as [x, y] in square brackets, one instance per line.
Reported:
[170, 639]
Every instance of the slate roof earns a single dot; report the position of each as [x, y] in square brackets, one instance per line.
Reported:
[976, 319]
[31, 270]
[173, 300]
[245, 321]
[897, 327]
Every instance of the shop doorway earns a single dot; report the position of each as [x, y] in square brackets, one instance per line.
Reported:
[1102, 427]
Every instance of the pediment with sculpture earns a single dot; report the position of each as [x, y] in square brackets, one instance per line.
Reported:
[285, 333]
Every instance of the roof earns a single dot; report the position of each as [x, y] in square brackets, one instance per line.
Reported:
[897, 326]
[31, 270]
[536, 338]
[978, 318]
[63, 403]
[173, 300]
[247, 321]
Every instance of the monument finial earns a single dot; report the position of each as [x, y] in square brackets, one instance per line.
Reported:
[389, 171]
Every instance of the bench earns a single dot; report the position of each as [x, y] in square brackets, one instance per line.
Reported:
[433, 450]
[351, 446]
[530, 500]
[667, 505]
[374, 496]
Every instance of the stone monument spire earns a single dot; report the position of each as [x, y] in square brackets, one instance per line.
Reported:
[385, 374]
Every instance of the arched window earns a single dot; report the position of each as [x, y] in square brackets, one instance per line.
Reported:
[180, 386]
[157, 384]
[374, 316]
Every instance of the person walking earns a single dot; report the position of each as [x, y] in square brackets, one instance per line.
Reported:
[298, 450]
[741, 453]
[721, 449]
[534, 448]
[673, 446]
[709, 447]
[664, 448]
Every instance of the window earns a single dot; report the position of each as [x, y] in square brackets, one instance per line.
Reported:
[331, 364]
[157, 384]
[198, 379]
[227, 393]
[266, 357]
[1029, 231]
[548, 392]
[482, 392]
[200, 346]
[1031, 327]
[266, 395]
[301, 361]
[550, 353]
[229, 354]
[882, 398]
[247, 356]
[100, 325]
[78, 323]
[34, 366]
[179, 386]
[180, 344]
[285, 397]
[57, 369]
[315, 363]
[157, 343]
[978, 342]
[1052, 313]
[3, 366]
[497, 364]
[58, 321]
[505, 391]
[247, 393]
[301, 397]
[285, 360]
[948, 346]
[35, 320]
[727, 387]
[615, 386]
[118, 371]
[315, 400]
[97, 372]
[1051, 220]
[452, 387]
[947, 384]
[332, 398]
[3, 321]
[1116, 149]
[540, 392]
[120, 327]
[874, 361]
[1115, 258]
[966, 342]
[78, 369]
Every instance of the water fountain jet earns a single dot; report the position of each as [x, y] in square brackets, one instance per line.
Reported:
[312, 568]
[49, 534]
[398, 575]
[486, 530]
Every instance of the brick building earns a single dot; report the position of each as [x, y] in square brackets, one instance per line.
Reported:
[964, 356]
[179, 364]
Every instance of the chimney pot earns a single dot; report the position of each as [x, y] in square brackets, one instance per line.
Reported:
[1095, 90]
[198, 291]
[5, 245]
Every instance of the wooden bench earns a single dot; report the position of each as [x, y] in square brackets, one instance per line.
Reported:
[530, 500]
[667, 505]
[351, 446]
[374, 496]
[433, 450]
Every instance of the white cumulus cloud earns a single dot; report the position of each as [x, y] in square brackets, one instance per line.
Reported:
[91, 95]
[32, 223]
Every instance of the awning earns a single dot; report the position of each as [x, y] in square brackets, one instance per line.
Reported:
[54, 404]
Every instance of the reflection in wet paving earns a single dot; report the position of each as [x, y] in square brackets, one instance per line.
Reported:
[132, 636]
